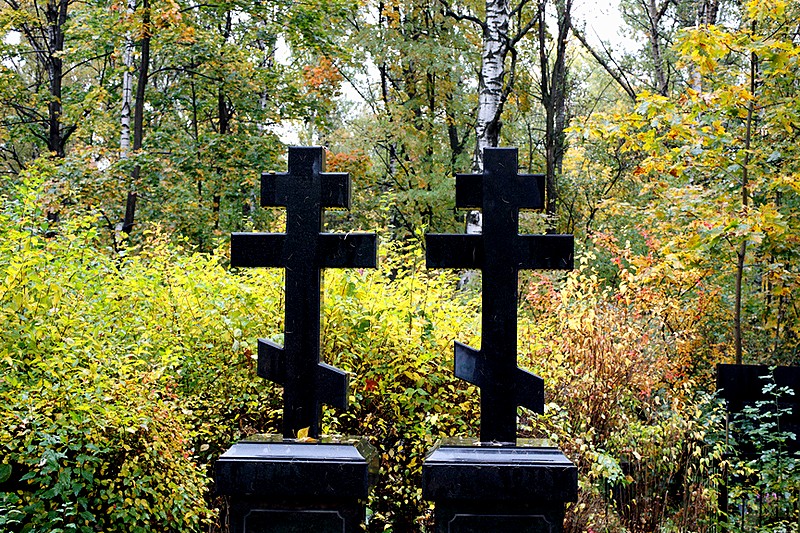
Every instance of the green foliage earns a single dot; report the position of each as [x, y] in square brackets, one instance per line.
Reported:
[712, 171]
[394, 329]
[122, 374]
[419, 129]
[91, 437]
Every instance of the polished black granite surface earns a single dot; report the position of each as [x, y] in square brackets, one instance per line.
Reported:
[742, 386]
[304, 251]
[279, 485]
[500, 252]
[529, 471]
[285, 468]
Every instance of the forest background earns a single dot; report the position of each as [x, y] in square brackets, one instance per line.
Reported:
[132, 137]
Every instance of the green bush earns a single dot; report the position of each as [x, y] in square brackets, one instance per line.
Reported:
[126, 374]
[394, 329]
[121, 375]
[92, 438]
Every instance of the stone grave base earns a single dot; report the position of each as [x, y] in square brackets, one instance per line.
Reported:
[486, 487]
[277, 485]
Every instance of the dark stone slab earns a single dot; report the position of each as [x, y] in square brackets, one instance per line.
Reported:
[248, 515]
[294, 521]
[482, 488]
[744, 383]
[482, 518]
[279, 485]
[334, 250]
[742, 386]
[272, 467]
[533, 470]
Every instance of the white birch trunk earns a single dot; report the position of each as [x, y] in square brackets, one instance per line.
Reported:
[127, 90]
[493, 57]
[490, 98]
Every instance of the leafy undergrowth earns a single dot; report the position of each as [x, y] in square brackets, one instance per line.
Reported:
[125, 375]
[122, 374]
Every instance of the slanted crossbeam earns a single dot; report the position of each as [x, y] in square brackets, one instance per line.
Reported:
[305, 191]
[500, 252]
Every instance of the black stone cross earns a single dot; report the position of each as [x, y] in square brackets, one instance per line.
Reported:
[303, 251]
[500, 252]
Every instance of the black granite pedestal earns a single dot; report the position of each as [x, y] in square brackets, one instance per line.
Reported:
[483, 488]
[287, 486]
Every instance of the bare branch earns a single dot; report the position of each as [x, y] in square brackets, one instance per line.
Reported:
[618, 76]
[86, 61]
[459, 17]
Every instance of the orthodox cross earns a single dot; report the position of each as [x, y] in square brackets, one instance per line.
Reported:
[305, 191]
[500, 252]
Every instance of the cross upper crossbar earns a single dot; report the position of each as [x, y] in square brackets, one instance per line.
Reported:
[500, 252]
[305, 191]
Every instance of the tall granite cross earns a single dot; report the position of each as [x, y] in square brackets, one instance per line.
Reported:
[500, 252]
[303, 251]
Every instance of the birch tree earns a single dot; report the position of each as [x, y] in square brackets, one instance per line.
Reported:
[502, 27]
[138, 104]
[492, 89]
[125, 118]
[504, 24]
[127, 88]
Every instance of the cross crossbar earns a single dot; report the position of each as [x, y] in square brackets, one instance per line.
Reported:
[540, 252]
[500, 252]
[334, 250]
[331, 385]
[276, 189]
[469, 191]
[303, 251]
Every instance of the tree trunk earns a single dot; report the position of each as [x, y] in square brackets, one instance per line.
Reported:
[554, 100]
[492, 77]
[457, 141]
[127, 90]
[708, 12]
[196, 127]
[741, 253]
[654, 15]
[224, 115]
[138, 114]
[46, 39]
[222, 110]
[491, 90]
[56, 14]
[141, 83]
